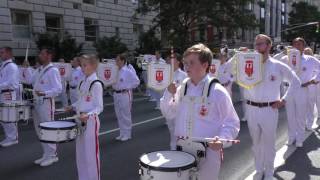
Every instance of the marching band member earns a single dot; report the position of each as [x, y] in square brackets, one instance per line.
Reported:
[88, 106]
[178, 77]
[122, 95]
[76, 77]
[299, 106]
[63, 95]
[9, 83]
[263, 102]
[216, 119]
[46, 83]
[225, 78]
[156, 95]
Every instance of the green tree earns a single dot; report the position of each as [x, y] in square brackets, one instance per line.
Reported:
[176, 18]
[109, 47]
[64, 45]
[303, 13]
[148, 43]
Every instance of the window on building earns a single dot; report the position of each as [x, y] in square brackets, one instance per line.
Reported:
[115, 1]
[54, 23]
[89, 1]
[21, 24]
[283, 20]
[262, 12]
[90, 29]
[117, 31]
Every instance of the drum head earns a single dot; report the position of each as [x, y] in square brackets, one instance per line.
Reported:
[168, 161]
[55, 125]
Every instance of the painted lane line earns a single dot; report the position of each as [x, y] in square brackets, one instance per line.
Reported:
[134, 125]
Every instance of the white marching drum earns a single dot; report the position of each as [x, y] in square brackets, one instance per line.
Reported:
[58, 131]
[167, 165]
[12, 112]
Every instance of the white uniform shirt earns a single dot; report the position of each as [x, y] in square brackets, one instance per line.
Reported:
[179, 76]
[160, 61]
[221, 119]
[90, 102]
[9, 75]
[76, 77]
[268, 90]
[47, 79]
[310, 68]
[224, 75]
[127, 79]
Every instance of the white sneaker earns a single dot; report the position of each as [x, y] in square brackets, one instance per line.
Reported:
[258, 176]
[38, 161]
[243, 119]
[7, 143]
[49, 160]
[299, 145]
[125, 139]
[119, 137]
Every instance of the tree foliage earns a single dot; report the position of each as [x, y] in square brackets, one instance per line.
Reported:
[109, 47]
[303, 13]
[176, 18]
[64, 45]
[149, 43]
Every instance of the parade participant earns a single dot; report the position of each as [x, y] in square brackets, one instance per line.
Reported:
[215, 119]
[9, 84]
[122, 95]
[178, 77]
[263, 102]
[308, 51]
[88, 106]
[46, 83]
[63, 95]
[76, 77]
[156, 95]
[225, 78]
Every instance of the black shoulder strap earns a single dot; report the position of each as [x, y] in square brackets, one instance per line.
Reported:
[214, 80]
[5, 65]
[95, 82]
[185, 89]
[80, 84]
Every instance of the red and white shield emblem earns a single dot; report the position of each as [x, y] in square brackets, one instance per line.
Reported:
[212, 68]
[62, 71]
[294, 60]
[159, 75]
[107, 74]
[249, 68]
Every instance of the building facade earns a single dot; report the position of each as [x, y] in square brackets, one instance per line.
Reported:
[85, 20]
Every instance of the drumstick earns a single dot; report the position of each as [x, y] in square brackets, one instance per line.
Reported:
[199, 139]
[172, 65]
[27, 54]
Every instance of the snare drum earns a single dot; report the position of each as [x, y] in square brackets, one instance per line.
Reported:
[24, 110]
[9, 112]
[58, 131]
[167, 165]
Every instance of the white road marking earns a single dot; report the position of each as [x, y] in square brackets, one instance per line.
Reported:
[134, 100]
[135, 124]
[282, 154]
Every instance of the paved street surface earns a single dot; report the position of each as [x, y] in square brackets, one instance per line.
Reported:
[119, 160]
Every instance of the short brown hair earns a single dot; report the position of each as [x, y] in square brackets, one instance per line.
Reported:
[7, 49]
[205, 54]
[91, 59]
[122, 57]
[299, 39]
[267, 38]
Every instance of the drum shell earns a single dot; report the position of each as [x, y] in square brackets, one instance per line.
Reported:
[9, 113]
[146, 174]
[57, 135]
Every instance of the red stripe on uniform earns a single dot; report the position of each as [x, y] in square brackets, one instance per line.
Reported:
[97, 146]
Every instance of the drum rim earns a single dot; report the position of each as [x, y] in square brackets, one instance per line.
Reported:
[58, 128]
[56, 142]
[168, 169]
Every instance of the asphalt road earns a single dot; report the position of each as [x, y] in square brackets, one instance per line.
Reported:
[119, 160]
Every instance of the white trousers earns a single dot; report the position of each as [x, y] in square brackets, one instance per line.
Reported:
[73, 95]
[262, 124]
[173, 138]
[44, 112]
[312, 98]
[296, 107]
[122, 107]
[318, 99]
[209, 168]
[87, 151]
[10, 129]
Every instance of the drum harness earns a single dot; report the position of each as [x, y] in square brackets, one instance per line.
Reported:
[198, 149]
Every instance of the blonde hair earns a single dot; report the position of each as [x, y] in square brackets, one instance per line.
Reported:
[91, 59]
[308, 51]
[205, 54]
[267, 38]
